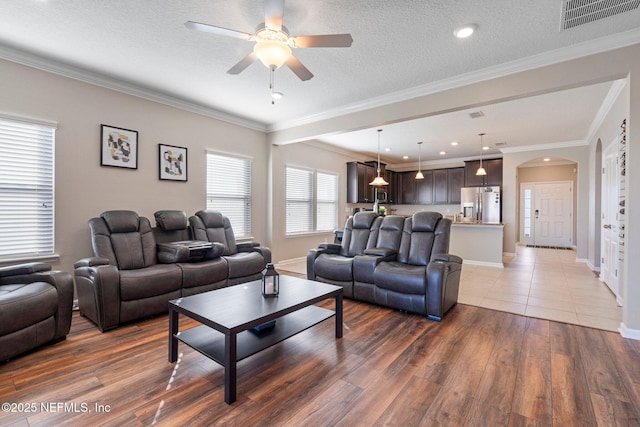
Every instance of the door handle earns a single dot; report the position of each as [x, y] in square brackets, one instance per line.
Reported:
[607, 226]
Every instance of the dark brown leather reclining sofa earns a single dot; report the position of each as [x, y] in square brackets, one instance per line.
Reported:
[393, 261]
[136, 269]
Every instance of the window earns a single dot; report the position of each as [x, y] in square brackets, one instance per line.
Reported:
[26, 189]
[308, 210]
[327, 201]
[299, 200]
[229, 190]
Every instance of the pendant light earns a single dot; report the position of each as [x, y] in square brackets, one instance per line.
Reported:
[419, 175]
[378, 181]
[481, 171]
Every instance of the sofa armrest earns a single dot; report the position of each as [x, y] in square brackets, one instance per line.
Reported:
[381, 252]
[98, 287]
[247, 246]
[91, 262]
[63, 282]
[255, 247]
[22, 269]
[323, 248]
[446, 258]
[330, 248]
[443, 282]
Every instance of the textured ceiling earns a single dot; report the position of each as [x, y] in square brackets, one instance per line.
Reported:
[398, 45]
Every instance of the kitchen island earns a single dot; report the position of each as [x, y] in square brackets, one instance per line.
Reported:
[479, 244]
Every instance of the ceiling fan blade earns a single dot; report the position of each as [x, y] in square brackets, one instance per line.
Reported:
[244, 63]
[217, 30]
[299, 70]
[273, 12]
[328, 40]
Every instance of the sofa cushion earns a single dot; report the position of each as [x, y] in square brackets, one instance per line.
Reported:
[204, 273]
[403, 278]
[244, 264]
[334, 267]
[151, 281]
[23, 305]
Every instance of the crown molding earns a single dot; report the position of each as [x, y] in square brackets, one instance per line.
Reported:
[77, 73]
[556, 56]
[540, 147]
[607, 104]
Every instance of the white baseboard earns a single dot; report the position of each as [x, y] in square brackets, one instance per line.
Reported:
[292, 261]
[633, 334]
[509, 254]
[483, 263]
[593, 267]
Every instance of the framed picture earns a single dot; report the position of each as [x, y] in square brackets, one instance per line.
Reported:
[119, 147]
[173, 162]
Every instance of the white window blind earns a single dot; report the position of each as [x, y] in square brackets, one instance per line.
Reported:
[299, 200]
[26, 189]
[229, 190]
[327, 201]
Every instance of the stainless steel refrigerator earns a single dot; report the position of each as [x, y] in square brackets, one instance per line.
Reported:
[481, 205]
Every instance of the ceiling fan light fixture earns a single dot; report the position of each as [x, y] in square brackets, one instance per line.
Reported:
[272, 53]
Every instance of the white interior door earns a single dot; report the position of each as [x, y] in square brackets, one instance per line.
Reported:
[609, 236]
[546, 214]
[552, 214]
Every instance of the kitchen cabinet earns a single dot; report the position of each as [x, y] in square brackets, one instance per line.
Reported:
[446, 185]
[414, 191]
[455, 181]
[493, 176]
[440, 186]
[359, 175]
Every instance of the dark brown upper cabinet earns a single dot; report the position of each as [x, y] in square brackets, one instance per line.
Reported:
[492, 178]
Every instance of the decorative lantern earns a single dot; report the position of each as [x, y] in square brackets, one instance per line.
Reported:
[270, 281]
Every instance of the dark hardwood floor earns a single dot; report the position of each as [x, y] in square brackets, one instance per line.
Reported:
[476, 368]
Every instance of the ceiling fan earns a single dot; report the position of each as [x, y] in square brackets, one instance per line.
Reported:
[273, 42]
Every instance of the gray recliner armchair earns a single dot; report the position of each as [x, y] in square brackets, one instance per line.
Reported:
[35, 307]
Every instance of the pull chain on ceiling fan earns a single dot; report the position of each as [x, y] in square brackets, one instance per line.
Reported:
[273, 42]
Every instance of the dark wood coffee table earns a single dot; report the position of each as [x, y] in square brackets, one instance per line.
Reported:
[227, 314]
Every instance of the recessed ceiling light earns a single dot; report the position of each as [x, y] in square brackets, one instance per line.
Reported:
[546, 159]
[442, 153]
[405, 157]
[465, 31]
[277, 95]
[485, 148]
[387, 149]
[454, 142]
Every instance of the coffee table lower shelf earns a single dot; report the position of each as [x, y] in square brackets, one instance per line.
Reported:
[211, 343]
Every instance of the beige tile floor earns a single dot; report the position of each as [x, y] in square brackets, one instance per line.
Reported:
[543, 283]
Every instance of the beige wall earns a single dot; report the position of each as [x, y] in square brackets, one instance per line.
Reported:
[311, 156]
[84, 189]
